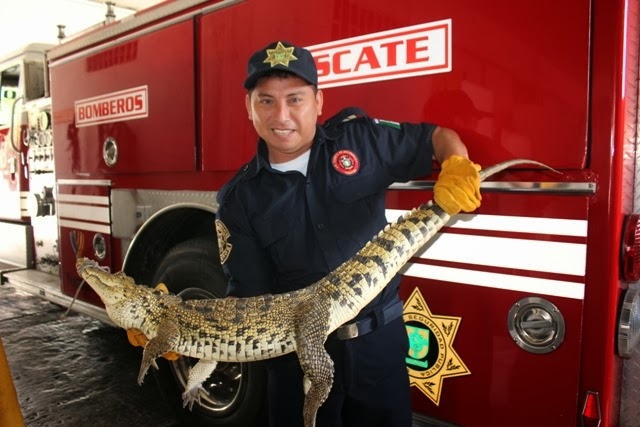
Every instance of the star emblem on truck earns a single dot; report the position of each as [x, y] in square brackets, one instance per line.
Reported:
[280, 55]
[431, 357]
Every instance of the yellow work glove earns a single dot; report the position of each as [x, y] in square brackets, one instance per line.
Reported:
[458, 186]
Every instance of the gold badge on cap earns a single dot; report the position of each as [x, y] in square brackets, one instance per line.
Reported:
[280, 55]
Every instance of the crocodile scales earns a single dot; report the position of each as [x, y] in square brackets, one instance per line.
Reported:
[267, 326]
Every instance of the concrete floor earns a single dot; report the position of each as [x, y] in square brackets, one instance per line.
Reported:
[74, 370]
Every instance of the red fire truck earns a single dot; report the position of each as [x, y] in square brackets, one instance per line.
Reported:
[523, 313]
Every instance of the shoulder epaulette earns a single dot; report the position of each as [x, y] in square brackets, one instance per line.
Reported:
[342, 116]
[232, 183]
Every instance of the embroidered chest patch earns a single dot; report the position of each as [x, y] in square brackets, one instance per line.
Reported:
[346, 162]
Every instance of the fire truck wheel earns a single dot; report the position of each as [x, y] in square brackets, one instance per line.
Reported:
[235, 394]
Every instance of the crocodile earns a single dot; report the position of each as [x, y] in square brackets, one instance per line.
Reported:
[268, 326]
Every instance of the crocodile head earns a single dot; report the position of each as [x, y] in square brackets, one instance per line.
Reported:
[120, 294]
[112, 288]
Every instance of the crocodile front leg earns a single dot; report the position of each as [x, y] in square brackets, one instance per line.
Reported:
[165, 341]
[311, 333]
[198, 373]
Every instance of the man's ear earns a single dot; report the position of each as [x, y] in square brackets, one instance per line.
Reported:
[319, 101]
[247, 104]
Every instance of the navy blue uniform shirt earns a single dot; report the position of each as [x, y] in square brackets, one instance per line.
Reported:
[287, 231]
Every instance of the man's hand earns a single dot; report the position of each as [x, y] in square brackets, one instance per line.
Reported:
[458, 186]
[138, 339]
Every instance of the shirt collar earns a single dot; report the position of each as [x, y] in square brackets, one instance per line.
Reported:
[261, 159]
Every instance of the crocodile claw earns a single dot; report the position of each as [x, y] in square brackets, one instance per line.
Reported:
[144, 368]
[189, 397]
[143, 371]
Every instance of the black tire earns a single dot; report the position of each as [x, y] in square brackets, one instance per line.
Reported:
[235, 393]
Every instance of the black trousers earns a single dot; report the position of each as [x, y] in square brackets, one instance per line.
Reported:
[370, 388]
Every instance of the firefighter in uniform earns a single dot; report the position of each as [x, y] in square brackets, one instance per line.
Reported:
[309, 200]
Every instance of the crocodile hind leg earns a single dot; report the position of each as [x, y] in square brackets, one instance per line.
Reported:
[164, 342]
[318, 380]
[311, 333]
[198, 373]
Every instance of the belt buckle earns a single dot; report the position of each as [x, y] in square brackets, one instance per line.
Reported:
[346, 332]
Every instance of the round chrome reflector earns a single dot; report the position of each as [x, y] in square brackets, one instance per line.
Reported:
[629, 323]
[536, 325]
[99, 246]
[110, 152]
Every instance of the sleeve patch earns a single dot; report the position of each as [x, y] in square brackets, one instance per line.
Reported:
[224, 247]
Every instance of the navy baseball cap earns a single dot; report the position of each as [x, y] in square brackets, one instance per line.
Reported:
[284, 56]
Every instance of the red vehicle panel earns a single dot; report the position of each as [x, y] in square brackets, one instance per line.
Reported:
[76, 203]
[480, 285]
[517, 87]
[95, 87]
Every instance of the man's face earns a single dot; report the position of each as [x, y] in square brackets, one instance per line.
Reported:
[284, 112]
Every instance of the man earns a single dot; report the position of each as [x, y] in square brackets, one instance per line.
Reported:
[308, 201]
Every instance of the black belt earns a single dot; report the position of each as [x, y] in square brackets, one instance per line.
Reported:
[379, 317]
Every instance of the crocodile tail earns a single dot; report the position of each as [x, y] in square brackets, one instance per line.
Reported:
[499, 167]
[357, 281]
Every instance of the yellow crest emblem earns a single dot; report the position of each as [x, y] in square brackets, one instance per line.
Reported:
[431, 358]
